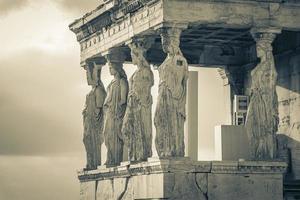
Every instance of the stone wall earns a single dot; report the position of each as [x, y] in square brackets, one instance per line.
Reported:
[288, 90]
[183, 178]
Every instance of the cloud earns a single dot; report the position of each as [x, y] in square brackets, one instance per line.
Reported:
[42, 96]
[7, 6]
[78, 6]
[35, 178]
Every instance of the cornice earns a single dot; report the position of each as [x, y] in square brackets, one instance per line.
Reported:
[183, 165]
[105, 15]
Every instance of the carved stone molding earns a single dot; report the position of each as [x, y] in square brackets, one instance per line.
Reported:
[115, 55]
[107, 33]
[183, 179]
[225, 75]
[185, 165]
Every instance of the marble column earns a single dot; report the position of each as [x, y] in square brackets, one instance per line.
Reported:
[170, 113]
[137, 124]
[262, 117]
[114, 108]
[229, 90]
[93, 116]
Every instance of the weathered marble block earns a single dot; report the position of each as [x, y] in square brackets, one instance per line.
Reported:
[231, 143]
[87, 190]
[182, 178]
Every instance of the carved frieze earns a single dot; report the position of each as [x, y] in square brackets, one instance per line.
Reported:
[118, 32]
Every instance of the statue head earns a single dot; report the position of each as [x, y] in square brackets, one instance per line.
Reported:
[115, 59]
[264, 52]
[93, 70]
[138, 51]
[170, 38]
[264, 45]
[97, 73]
[116, 69]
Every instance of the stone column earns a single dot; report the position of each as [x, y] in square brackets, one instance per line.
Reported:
[93, 115]
[191, 124]
[229, 91]
[114, 108]
[170, 111]
[262, 117]
[137, 124]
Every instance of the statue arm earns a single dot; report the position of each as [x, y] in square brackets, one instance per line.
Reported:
[184, 85]
[149, 77]
[184, 94]
[146, 98]
[100, 97]
[88, 73]
[124, 92]
[84, 111]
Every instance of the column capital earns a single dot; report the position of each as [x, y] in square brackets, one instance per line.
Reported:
[224, 73]
[267, 34]
[266, 29]
[139, 47]
[99, 60]
[170, 38]
[115, 55]
[141, 42]
[166, 25]
[232, 76]
[93, 69]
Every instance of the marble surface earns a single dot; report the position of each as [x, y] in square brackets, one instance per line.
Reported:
[182, 178]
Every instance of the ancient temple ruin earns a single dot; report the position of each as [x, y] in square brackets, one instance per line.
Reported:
[255, 46]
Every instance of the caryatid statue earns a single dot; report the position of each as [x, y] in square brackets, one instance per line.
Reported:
[262, 117]
[93, 116]
[170, 111]
[114, 110]
[137, 124]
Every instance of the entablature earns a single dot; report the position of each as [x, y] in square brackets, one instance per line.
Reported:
[221, 25]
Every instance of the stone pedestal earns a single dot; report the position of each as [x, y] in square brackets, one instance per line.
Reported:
[231, 143]
[184, 179]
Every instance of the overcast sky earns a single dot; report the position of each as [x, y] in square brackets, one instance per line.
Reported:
[42, 93]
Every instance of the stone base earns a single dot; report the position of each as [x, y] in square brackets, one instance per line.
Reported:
[231, 143]
[185, 179]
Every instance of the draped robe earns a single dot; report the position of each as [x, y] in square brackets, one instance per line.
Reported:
[170, 111]
[113, 118]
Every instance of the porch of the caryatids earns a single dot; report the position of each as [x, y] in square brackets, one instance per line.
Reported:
[170, 113]
[93, 115]
[262, 117]
[114, 108]
[137, 124]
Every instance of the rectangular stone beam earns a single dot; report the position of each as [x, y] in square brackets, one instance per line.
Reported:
[235, 13]
[224, 13]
